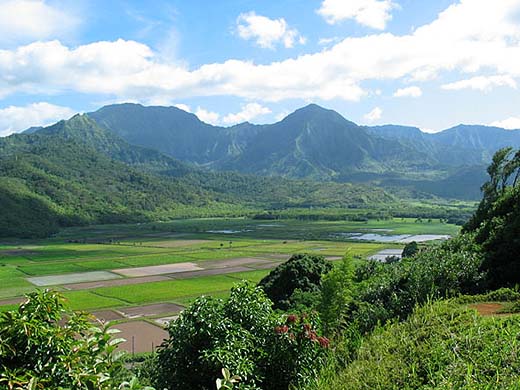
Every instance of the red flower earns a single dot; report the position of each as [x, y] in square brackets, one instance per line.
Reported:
[281, 329]
[324, 342]
[292, 318]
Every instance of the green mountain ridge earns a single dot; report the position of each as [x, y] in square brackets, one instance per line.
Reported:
[318, 144]
[76, 172]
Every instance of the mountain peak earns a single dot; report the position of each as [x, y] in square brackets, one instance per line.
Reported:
[313, 108]
[316, 112]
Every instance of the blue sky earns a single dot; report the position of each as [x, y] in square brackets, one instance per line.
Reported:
[429, 63]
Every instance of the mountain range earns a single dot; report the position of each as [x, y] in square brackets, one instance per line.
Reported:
[127, 163]
[319, 144]
[77, 172]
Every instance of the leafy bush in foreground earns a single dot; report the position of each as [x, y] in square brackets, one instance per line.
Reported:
[244, 335]
[42, 345]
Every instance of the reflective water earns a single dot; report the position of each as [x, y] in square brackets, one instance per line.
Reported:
[399, 238]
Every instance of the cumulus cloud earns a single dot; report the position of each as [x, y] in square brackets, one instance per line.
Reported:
[453, 42]
[267, 32]
[14, 119]
[183, 107]
[27, 20]
[482, 83]
[371, 13]
[413, 91]
[207, 116]
[511, 123]
[282, 115]
[328, 41]
[374, 115]
[248, 112]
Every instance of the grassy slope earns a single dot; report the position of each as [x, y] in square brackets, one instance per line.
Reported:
[441, 346]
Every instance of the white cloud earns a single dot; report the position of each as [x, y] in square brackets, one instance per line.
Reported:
[511, 123]
[374, 115]
[371, 13]
[429, 130]
[14, 119]
[267, 32]
[249, 112]
[482, 83]
[328, 41]
[183, 107]
[27, 20]
[453, 42]
[282, 115]
[207, 116]
[413, 91]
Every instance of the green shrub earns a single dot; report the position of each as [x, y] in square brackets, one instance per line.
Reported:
[500, 295]
[244, 335]
[382, 292]
[410, 249]
[336, 295]
[43, 345]
[301, 272]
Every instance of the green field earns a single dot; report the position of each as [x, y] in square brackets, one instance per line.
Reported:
[110, 247]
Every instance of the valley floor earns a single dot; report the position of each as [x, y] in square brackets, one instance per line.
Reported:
[141, 276]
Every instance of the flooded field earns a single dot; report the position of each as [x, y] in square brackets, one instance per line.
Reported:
[396, 238]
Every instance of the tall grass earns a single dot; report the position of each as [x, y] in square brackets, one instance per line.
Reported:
[440, 346]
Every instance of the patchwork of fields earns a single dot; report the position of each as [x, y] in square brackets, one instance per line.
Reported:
[120, 272]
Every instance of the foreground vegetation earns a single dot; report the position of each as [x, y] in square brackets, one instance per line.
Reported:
[357, 325]
[442, 345]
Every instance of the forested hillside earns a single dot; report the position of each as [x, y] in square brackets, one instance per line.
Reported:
[76, 172]
[319, 144]
[65, 171]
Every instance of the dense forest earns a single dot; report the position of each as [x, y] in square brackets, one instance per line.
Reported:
[361, 324]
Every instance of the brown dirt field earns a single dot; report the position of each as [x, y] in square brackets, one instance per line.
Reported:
[488, 309]
[76, 277]
[278, 256]
[210, 264]
[12, 301]
[272, 264]
[151, 310]
[145, 336]
[18, 252]
[209, 272]
[117, 282]
[157, 269]
[107, 315]
[164, 321]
